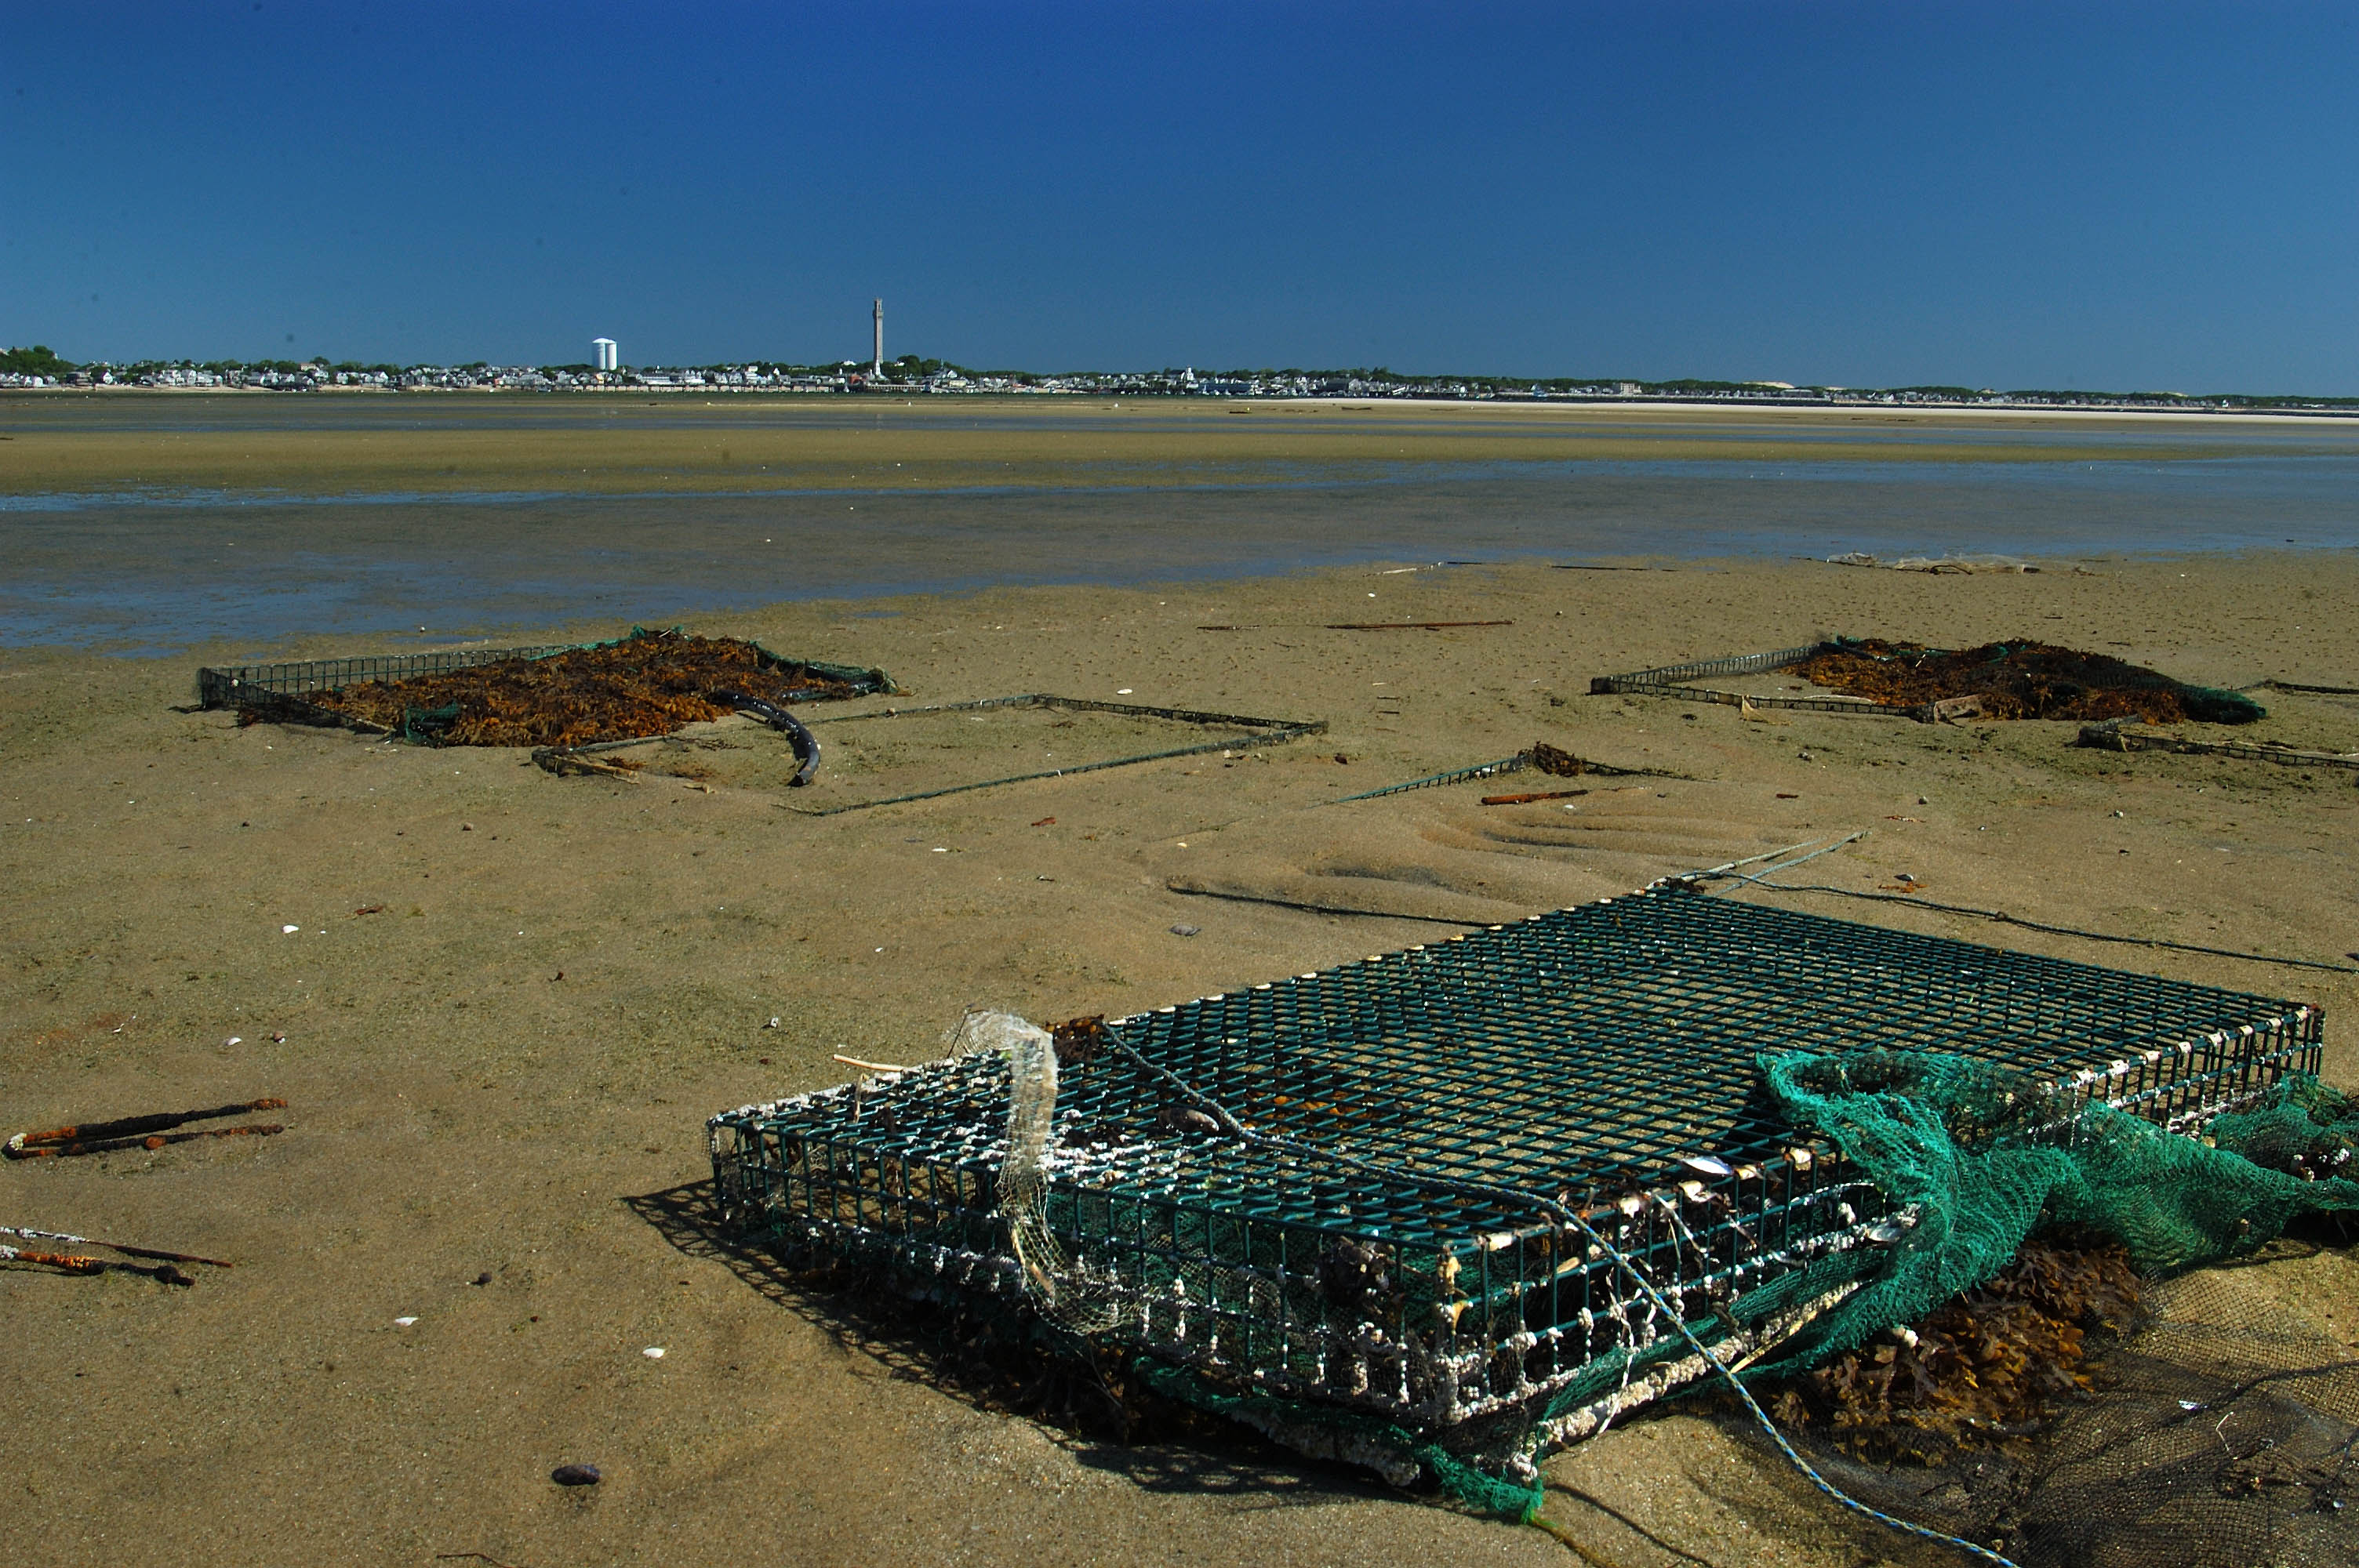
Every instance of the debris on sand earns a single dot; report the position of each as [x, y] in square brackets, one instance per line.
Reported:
[1541, 758]
[1940, 566]
[158, 1262]
[2020, 680]
[139, 1131]
[82, 1263]
[651, 683]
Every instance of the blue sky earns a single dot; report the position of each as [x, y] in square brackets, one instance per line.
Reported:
[2151, 196]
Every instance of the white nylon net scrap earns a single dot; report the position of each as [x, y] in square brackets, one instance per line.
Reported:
[1056, 1286]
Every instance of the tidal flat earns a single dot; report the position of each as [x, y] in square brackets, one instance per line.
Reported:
[149, 522]
[596, 445]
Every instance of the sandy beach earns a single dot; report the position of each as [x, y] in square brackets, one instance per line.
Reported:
[600, 445]
[510, 999]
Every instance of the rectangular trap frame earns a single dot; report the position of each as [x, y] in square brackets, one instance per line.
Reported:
[1602, 1055]
[281, 693]
[2122, 735]
[1258, 732]
[1671, 680]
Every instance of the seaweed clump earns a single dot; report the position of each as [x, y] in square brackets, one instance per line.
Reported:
[1982, 1369]
[651, 683]
[2021, 680]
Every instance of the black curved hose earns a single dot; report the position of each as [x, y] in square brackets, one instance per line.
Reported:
[805, 744]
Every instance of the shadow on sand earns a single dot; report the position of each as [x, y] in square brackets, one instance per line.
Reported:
[1085, 1398]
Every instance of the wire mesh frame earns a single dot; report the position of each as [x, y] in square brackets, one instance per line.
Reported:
[1260, 732]
[1438, 1307]
[2121, 735]
[280, 691]
[1670, 680]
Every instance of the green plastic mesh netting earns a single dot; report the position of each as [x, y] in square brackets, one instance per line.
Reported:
[1978, 1157]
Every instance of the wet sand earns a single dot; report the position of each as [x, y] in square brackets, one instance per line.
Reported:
[457, 1109]
[152, 523]
[597, 445]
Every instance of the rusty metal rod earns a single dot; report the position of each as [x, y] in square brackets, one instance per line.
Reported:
[152, 1140]
[27, 1233]
[132, 1126]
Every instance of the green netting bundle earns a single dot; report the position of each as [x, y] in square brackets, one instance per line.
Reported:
[2214, 705]
[1978, 1157]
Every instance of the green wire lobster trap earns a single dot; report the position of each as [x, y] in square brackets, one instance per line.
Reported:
[285, 693]
[2206, 703]
[1379, 1247]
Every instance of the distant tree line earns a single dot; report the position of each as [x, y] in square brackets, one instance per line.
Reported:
[38, 360]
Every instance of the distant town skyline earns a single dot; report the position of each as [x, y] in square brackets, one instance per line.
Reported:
[2103, 195]
[40, 369]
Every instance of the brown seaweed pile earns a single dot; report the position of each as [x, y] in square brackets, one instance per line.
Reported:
[1980, 1368]
[651, 683]
[2019, 680]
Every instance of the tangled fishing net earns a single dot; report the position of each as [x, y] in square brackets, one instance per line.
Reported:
[2021, 680]
[649, 683]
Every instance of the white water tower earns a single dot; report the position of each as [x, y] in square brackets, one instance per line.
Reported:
[603, 348]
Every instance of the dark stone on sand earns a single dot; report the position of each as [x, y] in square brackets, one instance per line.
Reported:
[575, 1475]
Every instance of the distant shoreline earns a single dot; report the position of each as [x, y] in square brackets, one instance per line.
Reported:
[1633, 404]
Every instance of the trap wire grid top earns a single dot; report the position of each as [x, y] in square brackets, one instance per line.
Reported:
[282, 691]
[1603, 1055]
[1258, 732]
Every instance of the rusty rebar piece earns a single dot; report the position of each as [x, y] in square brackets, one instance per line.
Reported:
[1409, 626]
[79, 1264]
[71, 1262]
[152, 1140]
[27, 1233]
[25, 1144]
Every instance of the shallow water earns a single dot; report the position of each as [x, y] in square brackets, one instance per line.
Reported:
[142, 572]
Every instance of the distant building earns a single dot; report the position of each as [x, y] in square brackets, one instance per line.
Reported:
[877, 364]
[602, 349]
